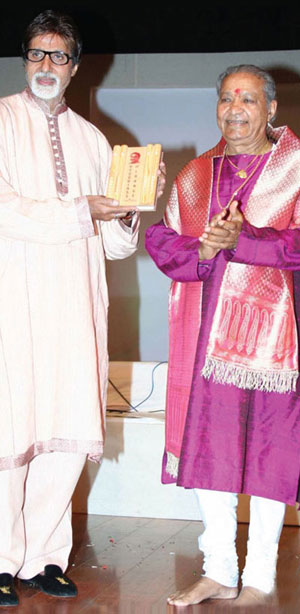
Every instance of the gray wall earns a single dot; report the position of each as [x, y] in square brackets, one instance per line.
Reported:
[156, 70]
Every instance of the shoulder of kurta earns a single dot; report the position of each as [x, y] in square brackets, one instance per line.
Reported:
[13, 102]
[10, 107]
[85, 124]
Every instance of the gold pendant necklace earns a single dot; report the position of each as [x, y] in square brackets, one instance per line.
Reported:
[241, 172]
[237, 190]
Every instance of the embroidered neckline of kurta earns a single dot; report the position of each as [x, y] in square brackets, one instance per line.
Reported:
[61, 177]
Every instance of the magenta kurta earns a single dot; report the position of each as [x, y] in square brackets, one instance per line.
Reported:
[234, 440]
[53, 293]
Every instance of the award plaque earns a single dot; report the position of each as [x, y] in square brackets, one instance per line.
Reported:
[133, 176]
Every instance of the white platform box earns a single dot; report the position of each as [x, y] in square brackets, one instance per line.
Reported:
[128, 481]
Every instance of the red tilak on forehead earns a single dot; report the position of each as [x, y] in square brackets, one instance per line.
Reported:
[237, 91]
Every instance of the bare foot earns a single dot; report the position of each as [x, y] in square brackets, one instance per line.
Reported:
[201, 590]
[252, 597]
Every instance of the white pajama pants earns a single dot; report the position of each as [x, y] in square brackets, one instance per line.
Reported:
[35, 513]
[218, 512]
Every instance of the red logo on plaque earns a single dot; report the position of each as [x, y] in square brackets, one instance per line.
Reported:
[135, 157]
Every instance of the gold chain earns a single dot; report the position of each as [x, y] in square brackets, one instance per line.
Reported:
[241, 172]
[237, 190]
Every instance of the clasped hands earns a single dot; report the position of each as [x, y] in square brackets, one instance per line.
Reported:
[222, 232]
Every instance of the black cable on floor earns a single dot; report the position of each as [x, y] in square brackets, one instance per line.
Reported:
[135, 407]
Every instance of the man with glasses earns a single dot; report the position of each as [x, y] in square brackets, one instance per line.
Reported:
[55, 231]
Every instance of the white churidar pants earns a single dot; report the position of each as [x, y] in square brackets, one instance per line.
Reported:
[35, 512]
[218, 512]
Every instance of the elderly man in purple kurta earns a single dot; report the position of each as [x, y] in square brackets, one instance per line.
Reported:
[229, 241]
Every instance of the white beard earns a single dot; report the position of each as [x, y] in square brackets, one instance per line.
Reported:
[46, 92]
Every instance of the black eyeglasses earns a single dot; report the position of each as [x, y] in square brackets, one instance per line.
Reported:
[57, 57]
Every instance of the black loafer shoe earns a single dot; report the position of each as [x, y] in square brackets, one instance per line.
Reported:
[8, 595]
[54, 582]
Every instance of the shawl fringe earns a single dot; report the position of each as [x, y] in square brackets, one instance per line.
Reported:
[242, 377]
[172, 465]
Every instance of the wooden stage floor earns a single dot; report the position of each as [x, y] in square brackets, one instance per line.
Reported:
[129, 566]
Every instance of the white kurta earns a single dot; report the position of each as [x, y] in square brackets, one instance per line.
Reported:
[53, 293]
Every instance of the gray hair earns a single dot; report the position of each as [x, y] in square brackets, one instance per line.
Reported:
[269, 83]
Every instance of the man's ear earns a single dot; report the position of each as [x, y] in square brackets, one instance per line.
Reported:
[272, 110]
[74, 70]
